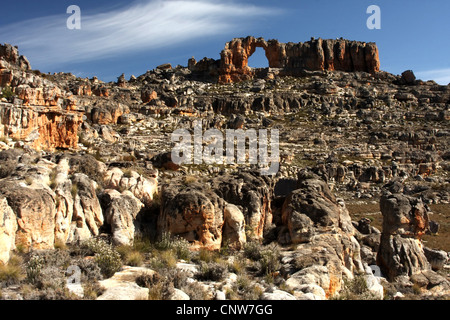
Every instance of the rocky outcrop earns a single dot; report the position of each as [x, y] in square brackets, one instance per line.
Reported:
[38, 112]
[87, 212]
[226, 210]
[122, 286]
[313, 205]
[405, 220]
[194, 215]
[143, 188]
[317, 54]
[327, 251]
[108, 114]
[10, 54]
[120, 211]
[43, 203]
[35, 211]
[40, 127]
[8, 229]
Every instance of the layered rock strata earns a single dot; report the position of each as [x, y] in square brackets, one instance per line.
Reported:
[292, 58]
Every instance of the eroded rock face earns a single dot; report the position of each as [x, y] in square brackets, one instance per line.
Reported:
[8, 228]
[120, 210]
[194, 215]
[225, 210]
[143, 188]
[341, 55]
[321, 227]
[11, 55]
[87, 212]
[313, 205]
[405, 220]
[44, 202]
[35, 212]
[39, 111]
[234, 227]
[42, 128]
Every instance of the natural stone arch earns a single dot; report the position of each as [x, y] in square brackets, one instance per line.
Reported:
[234, 58]
[317, 54]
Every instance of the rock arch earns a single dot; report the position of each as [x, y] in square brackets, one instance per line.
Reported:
[317, 54]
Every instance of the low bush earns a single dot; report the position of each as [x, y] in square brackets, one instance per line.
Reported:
[212, 271]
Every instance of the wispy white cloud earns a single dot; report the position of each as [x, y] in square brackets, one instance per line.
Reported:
[141, 25]
[441, 76]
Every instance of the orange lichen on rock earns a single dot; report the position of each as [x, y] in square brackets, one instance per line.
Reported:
[43, 128]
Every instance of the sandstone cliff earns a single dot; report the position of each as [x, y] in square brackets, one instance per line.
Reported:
[34, 109]
[292, 58]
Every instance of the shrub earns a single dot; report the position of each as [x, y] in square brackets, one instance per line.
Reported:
[7, 93]
[134, 258]
[237, 266]
[74, 190]
[34, 267]
[190, 179]
[270, 260]
[52, 178]
[207, 256]
[165, 242]
[92, 290]
[244, 289]
[90, 271]
[88, 165]
[142, 244]
[161, 285]
[212, 272]
[196, 291]
[252, 250]
[7, 167]
[127, 173]
[179, 246]
[355, 289]
[159, 288]
[12, 272]
[107, 258]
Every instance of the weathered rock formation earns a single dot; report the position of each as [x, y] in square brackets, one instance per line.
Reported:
[120, 214]
[405, 220]
[8, 229]
[327, 250]
[38, 111]
[225, 210]
[46, 202]
[292, 58]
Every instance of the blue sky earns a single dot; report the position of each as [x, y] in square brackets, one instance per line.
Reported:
[134, 36]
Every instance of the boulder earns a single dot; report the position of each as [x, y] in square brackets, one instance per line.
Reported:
[277, 295]
[87, 212]
[234, 227]
[252, 194]
[120, 211]
[193, 215]
[405, 220]
[313, 200]
[122, 286]
[436, 258]
[143, 188]
[35, 212]
[8, 228]
[408, 77]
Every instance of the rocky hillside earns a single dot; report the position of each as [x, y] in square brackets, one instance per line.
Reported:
[364, 160]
